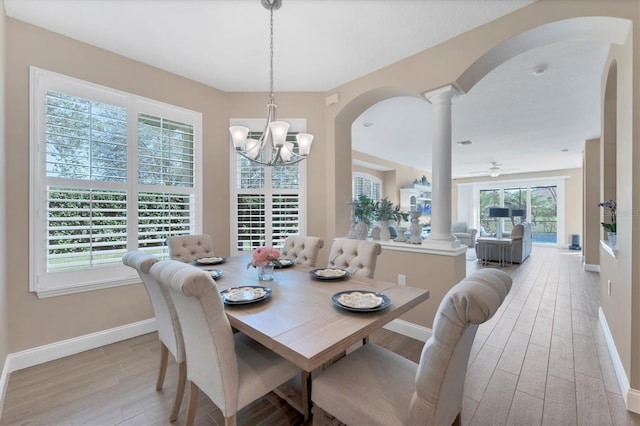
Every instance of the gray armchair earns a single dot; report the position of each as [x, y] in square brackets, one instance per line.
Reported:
[464, 234]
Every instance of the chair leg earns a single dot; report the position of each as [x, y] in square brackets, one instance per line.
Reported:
[164, 358]
[192, 405]
[458, 420]
[305, 380]
[318, 416]
[182, 379]
[230, 421]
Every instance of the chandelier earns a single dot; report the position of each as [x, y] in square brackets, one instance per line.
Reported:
[273, 141]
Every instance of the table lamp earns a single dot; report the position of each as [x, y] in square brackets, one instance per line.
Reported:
[499, 212]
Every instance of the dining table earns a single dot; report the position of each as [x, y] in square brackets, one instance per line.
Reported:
[300, 319]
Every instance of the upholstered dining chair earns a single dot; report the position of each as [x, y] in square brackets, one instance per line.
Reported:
[231, 369]
[375, 386]
[187, 248]
[169, 331]
[302, 249]
[356, 256]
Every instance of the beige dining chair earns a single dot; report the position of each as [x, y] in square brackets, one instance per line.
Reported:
[302, 249]
[356, 256]
[187, 248]
[375, 386]
[169, 332]
[231, 369]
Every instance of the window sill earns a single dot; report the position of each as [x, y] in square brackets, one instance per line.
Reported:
[44, 293]
[612, 251]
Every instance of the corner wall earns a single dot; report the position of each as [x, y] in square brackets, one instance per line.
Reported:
[3, 274]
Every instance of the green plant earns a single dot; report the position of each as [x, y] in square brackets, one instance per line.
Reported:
[611, 206]
[386, 210]
[365, 209]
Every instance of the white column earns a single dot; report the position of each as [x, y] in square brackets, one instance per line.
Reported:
[441, 236]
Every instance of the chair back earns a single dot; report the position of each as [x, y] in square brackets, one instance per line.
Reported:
[187, 248]
[356, 256]
[437, 399]
[208, 337]
[169, 331]
[302, 249]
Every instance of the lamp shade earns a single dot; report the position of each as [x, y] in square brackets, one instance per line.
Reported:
[239, 136]
[499, 212]
[304, 143]
[518, 212]
[279, 131]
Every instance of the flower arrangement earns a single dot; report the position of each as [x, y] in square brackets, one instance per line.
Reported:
[611, 206]
[365, 209]
[262, 256]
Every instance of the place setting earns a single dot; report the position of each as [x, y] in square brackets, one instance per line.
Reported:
[213, 260]
[361, 300]
[284, 263]
[329, 274]
[245, 294]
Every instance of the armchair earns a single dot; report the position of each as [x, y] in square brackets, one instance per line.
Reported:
[464, 234]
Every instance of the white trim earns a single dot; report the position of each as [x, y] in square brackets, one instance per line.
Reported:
[591, 268]
[631, 396]
[4, 381]
[41, 354]
[409, 329]
[612, 251]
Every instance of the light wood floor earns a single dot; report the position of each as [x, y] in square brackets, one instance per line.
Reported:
[541, 360]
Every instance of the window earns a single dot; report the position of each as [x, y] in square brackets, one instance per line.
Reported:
[542, 201]
[267, 203]
[112, 172]
[369, 185]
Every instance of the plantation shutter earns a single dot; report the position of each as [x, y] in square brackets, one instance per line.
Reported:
[267, 202]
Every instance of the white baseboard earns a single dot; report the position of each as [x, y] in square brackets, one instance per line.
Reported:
[591, 268]
[409, 329]
[41, 354]
[631, 396]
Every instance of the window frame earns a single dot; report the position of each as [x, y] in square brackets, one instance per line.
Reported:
[48, 284]
[296, 125]
[375, 180]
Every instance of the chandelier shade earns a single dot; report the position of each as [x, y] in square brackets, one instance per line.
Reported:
[272, 144]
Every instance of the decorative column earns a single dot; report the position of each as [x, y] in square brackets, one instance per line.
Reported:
[441, 236]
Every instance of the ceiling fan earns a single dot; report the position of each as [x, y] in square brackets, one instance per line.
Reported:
[494, 170]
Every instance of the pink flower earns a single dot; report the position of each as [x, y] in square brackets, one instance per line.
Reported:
[263, 255]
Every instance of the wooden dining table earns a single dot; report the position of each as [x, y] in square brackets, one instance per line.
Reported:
[299, 321]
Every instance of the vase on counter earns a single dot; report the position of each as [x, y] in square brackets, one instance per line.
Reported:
[361, 230]
[415, 228]
[265, 273]
[385, 234]
[613, 239]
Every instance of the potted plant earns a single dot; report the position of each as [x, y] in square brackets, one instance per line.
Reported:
[364, 213]
[611, 226]
[386, 211]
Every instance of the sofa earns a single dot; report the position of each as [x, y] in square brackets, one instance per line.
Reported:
[464, 234]
[516, 252]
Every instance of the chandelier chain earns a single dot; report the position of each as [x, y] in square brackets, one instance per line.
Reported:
[271, 56]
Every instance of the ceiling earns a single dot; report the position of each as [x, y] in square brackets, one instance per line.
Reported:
[521, 121]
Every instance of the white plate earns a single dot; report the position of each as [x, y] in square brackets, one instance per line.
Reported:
[330, 273]
[210, 260]
[360, 300]
[244, 294]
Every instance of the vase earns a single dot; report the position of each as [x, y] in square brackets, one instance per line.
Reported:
[375, 233]
[415, 228]
[385, 235]
[613, 238]
[265, 273]
[352, 220]
[361, 230]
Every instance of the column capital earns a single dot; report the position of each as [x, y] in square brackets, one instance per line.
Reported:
[449, 89]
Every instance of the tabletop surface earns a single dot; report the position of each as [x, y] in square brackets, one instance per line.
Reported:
[299, 320]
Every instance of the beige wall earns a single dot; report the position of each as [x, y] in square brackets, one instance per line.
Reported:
[591, 214]
[32, 321]
[398, 177]
[573, 195]
[620, 308]
[3, 270]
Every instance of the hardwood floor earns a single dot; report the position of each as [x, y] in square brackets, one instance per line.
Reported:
[541, 360]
